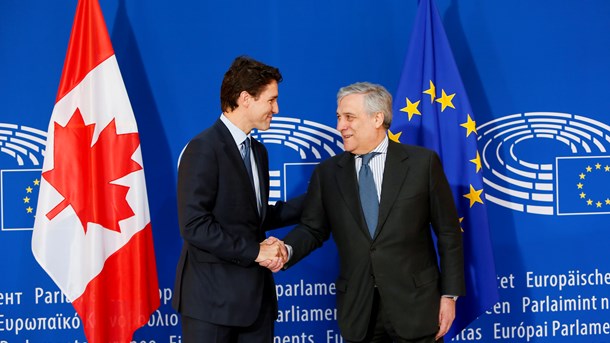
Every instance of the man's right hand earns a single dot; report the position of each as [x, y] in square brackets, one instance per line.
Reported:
[272, 254]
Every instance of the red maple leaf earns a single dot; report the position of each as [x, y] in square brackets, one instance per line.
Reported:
[82, 173]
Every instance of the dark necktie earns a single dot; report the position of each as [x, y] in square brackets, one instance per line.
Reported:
[368, 193]
[245, 154]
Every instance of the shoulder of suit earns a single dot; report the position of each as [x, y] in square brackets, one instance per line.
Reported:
[215, 132]
[331, 162]
[412, 150]
[339, 158]
[206, 139]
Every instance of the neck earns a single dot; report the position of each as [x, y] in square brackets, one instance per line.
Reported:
[378, 140]
[238, 119]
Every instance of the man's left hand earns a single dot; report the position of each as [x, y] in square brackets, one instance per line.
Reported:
[446, 316]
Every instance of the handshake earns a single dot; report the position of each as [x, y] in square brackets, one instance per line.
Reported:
[273, 254]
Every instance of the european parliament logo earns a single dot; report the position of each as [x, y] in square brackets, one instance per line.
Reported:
[22, 150]
[547, 163]
[302, 144]
[583, 185]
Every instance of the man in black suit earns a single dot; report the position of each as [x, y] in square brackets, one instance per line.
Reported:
[391, 286]
[222, 294]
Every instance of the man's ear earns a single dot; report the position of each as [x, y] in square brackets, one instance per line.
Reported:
[379, 116]
[244, 99]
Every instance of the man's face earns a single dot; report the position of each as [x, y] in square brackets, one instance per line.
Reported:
[360, 131]
[262, 109]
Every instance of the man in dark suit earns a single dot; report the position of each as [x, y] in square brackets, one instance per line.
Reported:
[379, 199]
[222, 294]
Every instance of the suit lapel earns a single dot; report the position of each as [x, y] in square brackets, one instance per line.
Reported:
[232, 151]
[394, 174]
[348, 188]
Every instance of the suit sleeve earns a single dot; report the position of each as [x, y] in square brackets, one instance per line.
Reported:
[445, 223]
[284, 213]
[198, 186]
[313, 229]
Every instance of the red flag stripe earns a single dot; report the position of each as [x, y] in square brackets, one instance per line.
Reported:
[89, 46]
[113, 305]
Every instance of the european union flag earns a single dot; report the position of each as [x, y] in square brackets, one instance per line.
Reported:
[583, 185]
[19, 198]
[431, 109]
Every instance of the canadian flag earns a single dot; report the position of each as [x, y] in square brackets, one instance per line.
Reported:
[92, 232]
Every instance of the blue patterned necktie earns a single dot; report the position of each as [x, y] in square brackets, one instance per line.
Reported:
[245, 154]
[368, 193]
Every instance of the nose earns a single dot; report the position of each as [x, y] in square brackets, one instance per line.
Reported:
[340, 124]
[275, 108]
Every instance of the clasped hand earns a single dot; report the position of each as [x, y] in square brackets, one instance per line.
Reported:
[273, 254]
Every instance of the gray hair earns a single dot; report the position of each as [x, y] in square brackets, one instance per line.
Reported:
[376, 99]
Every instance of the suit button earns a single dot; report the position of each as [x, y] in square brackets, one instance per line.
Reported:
[373, 249]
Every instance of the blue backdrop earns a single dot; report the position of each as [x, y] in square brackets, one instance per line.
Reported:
[537, 74]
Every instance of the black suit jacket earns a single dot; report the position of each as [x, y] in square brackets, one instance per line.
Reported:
[400, 259]
[217, 279]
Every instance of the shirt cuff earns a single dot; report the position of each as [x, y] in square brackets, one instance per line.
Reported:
[289, 248]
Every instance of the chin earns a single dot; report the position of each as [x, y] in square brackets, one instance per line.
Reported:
[348, 148]
[264, 126]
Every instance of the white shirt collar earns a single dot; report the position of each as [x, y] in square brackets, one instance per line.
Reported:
[238, 135]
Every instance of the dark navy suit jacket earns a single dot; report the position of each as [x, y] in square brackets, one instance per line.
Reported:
[400, 260]
[217, 279]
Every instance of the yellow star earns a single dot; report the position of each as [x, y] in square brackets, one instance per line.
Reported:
[26, 200]
[474, 196]
[579, 185]
[36, 182]
[589, 169]
[29, 189]
[411, 108]
[598, 204]
[461, 219]
[582, 176]
[598, 166]
[583, 195]
[470, 125]
[589, 202]
[607, 201]
[431, 91]
[477, 162]
[394, 137]
[607, 168]
[445, 100]
[29, 210]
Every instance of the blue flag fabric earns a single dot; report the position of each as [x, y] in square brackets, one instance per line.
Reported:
[431, 109]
